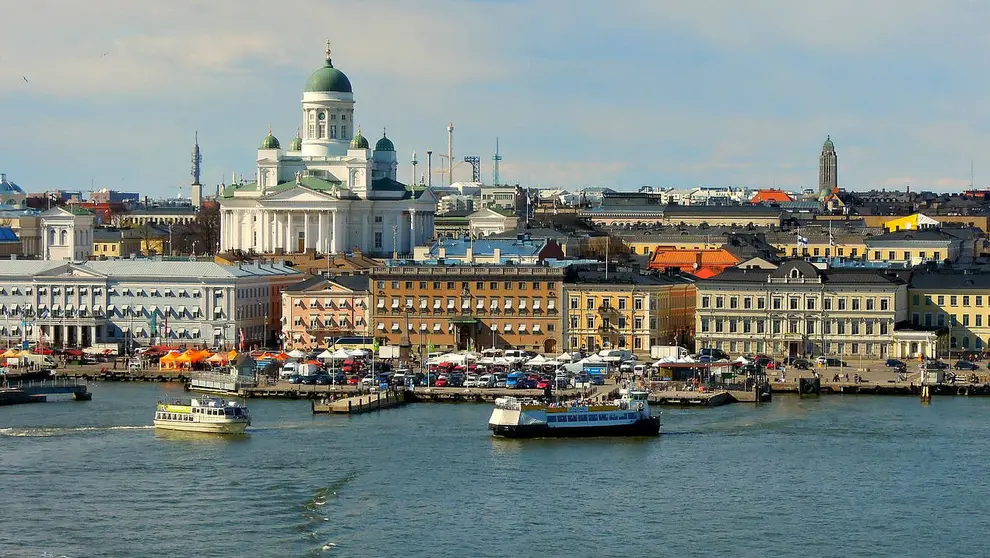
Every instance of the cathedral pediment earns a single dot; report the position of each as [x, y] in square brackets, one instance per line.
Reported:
[299, 193]
[70, 270]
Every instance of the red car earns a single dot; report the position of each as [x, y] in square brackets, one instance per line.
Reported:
[441, 382]
[543, 383]
[353, 381]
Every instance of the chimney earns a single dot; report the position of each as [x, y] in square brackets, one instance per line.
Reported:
[469, 254]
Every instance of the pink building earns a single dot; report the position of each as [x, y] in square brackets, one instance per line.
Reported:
[319, 310]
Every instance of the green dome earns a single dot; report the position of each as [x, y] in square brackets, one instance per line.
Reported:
[359, 141]
[296, 143]
[384, 144]
[829, 146]
[270, 141]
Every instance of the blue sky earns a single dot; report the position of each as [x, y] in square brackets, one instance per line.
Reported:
[619, 94]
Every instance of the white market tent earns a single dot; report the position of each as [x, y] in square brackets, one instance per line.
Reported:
[296, 353]
[340, 354]
[325, 355]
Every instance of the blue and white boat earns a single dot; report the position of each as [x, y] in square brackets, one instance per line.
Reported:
[530, 418]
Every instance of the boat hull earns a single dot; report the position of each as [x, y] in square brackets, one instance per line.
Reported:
[642, 427]
[237, 427]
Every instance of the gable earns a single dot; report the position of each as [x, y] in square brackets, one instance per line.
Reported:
[70, 270]
[299, 194]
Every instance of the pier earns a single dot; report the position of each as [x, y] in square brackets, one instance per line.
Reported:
[37, 391]
[361, 403]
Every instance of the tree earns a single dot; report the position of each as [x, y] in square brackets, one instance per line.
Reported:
[200, 236]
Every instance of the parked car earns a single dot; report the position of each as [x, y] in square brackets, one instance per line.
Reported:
[499, 381]
[713, 354]
[322, 379]
[830, 362]
[966, 365]
[936, 365]
[441, 382]
[894, 363]
[353, 380]
[799, 363]
[544, 383]
[486, 381]
[471, 381]
[295, 379]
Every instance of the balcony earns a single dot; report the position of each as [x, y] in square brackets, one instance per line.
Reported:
[607, 309]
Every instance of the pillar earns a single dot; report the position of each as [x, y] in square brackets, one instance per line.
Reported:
[334, 246]
[366, 246]
[412, 230]
[305, 231]
[93, 337]
[273, 233]
[320, 237]
[238, 243]
[287, 241]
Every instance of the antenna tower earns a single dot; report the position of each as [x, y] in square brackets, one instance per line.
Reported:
[475, 162]
[495, 160]
[197, 161]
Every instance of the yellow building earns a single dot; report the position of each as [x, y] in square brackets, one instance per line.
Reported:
[627, 311]
[115, 243]
[956, 301]
[913, 222]
[821, 242]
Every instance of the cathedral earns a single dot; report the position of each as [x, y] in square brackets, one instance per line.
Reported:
[328, 191]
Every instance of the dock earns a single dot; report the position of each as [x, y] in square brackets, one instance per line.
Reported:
[361, 403]
[37, 391]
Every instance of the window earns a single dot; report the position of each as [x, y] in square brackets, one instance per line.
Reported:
[622, 322]
[574, 303]
[809, 328]
[761, 304]
[638, 323]
[840, 327]
[733, 325]
[719, 327]
[706, 302]
[720, 302]
[778, 303]
[965, 319]
[589, 303]
[966, 300]
[952, 300]
[638, 304]
[450, 284]
[522, 285]
[378, 240]
[343, 131]
[622, 304]
[590, 322]
[884, 304]
[409, 284]
[979, 320]
[855, 304]
[884, 328]
[574, 322]
[379, 219]
[748, 302]
[705, 324]
[941, 300]
[747, 326]
[915, 300]
[869, 304]
[979, 300]
[536, 285]
[761, 326]
[733, 302]
[776, 327]
[792, 327]
[793, 303]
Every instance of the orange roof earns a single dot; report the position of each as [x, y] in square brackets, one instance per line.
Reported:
[671, 258]
[771, 195]
[705, 273]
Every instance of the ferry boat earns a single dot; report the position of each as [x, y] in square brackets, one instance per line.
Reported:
[208, 414]
[529, 418]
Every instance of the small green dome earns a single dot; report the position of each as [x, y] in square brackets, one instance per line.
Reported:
[384, 144]
[359, 141]
[296, 143]
[270, 141]
[829, 146]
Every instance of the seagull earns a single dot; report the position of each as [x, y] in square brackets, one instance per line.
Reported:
[25, 79]
[105, 54]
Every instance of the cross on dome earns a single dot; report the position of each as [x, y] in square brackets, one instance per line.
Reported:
[328, 52]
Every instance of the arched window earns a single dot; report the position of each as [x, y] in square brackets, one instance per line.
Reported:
[965, 341]
[794, 274]
[64, 237]
[321, 125]
[51, 237]
[979, 343]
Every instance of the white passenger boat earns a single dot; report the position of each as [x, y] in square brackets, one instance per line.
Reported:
[530, 418]
[206, 414]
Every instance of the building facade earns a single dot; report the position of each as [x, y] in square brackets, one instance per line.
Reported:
[461, 306]
[622, 310]
[328, 191]
[319, 310]
[957, 301]
[798, 309]
[141, 301]
[67, 234]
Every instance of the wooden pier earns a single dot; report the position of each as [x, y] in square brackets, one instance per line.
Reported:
[361, 403]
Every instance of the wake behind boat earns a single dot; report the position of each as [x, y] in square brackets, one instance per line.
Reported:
[529, 418]
[206, 414]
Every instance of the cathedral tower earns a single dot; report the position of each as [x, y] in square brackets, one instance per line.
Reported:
[828, 167]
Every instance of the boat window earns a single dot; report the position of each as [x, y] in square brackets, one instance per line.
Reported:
[583, 418]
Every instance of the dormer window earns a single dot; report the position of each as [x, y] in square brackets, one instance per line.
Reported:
[794, 274]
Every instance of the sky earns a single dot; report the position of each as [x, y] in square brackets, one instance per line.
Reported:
[670, 93]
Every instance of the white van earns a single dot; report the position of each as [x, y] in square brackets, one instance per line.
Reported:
[515, 355]
[486, 381]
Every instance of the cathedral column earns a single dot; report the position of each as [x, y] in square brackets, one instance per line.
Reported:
[224, 231]
[412, 230]
[289, 240]
[237, 227]
[333, 231]
[264, 231]
[366, 246]
[305, 231]
[320, 238]
[273, 233]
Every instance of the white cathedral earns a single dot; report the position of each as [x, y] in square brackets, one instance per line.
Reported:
[328, 191]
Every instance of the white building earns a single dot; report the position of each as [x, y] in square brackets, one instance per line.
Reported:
[454, 202]
[328, 191]
[67, 234]
[144, 301]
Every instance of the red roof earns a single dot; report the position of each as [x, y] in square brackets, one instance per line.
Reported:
[771, 195]
[701, 263]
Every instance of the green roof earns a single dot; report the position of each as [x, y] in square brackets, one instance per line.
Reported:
[270, 142]
[359, 141]
[78, 210]
[296, 143]
[384, 144]
[328, 79]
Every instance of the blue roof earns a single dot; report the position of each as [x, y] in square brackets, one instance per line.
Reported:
[7, 235]
[510, 247]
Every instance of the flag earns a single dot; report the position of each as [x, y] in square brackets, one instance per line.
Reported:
[431, 348]
[374, 346]
[243, 339]
[153, 325]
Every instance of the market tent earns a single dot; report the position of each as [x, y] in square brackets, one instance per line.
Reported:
[340, 354]
[281, 356]
[565, 357]
[536, 361]
[325, 355]
[296, 353]
[168, 361]
[219, 358]
[360, 353]
[594, 359]
[10, 353]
